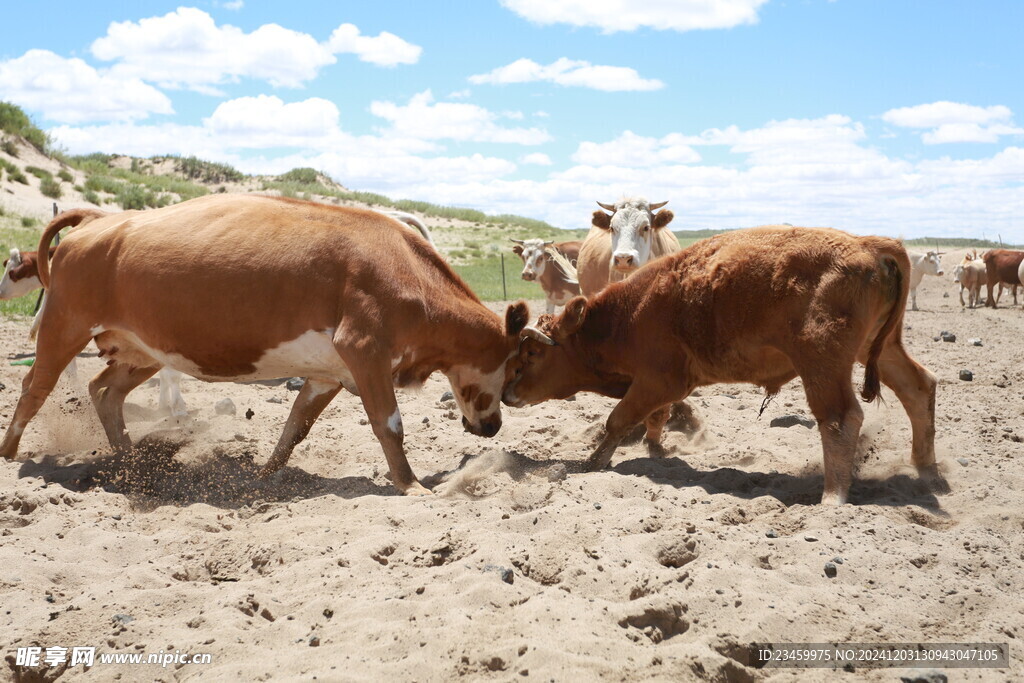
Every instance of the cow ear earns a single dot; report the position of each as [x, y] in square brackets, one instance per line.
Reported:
[663, 218]
[572, 317]
[516, 317]
[602, 220]
[518, 250]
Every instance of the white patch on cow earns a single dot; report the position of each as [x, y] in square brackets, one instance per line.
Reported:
[311, 354]
[395, 422]
[489, 383]
[96, 330]
[17, 429]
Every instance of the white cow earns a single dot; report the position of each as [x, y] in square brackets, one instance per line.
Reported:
[921, 265]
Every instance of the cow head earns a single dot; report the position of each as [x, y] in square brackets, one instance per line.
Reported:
[550, 363]
[17, 280]
[931, 263]
[477, 389]
[534, 255]
[633, 225]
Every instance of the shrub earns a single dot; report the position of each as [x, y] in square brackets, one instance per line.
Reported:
[9, 147]
[14, 121]
[50, 188]
[40, 173]
[208, 171]
[13, 172]
[133, 197]
[65, 175]
[302, 176]
[27, 221]
[91, 197]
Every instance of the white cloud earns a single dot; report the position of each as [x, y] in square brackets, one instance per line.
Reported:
[955, 122]
[266, 121]
[628, 15]
[386, 49]
[633, 150]
[424, 119]
[569, 72]
[71, 91]
[536, 159]
[187, 49]
[234, 5]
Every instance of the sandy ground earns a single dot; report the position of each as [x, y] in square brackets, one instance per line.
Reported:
[520, 567]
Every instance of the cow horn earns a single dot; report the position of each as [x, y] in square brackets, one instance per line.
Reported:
[517, 241]
[658, 205]
[549, 242]
[607, 207]
[531, 332]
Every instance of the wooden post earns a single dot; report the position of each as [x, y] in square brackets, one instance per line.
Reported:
[504, 291]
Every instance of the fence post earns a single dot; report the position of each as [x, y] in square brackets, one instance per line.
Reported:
[504, 291]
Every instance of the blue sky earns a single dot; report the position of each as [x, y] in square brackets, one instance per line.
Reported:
[875, 116]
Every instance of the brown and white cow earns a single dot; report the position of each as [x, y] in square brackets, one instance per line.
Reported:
[763, 305]
[242, 287]
[539, 267]
[1002, 266]
[620, 242]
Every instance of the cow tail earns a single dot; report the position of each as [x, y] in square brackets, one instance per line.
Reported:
[898, 288]
[72, 218]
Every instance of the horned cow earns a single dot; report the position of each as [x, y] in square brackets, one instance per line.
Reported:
[539, 267]
[763, 305]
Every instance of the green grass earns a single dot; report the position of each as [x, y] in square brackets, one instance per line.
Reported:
[205, 171]
[16, 122]
[66, 176]
[13, 172]
[13, 234]
[302, 176]
[484, 277]
[9, 147]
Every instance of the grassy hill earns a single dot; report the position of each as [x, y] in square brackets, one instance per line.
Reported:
[34, 175]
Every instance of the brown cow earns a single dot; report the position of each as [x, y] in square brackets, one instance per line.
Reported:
[241, 287]
[538, 267]
[764, 306]
[1001, 266]
[619, 243]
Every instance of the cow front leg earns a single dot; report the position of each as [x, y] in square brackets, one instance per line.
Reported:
[314, 396]
[108, 390]
[913, 299]
[636, 406]
[550, 306]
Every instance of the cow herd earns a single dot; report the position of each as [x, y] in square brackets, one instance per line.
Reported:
[241, 287]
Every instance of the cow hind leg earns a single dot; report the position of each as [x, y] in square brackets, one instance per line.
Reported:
[915, 388]
[314, 396]
[108, 390]
[54, 350]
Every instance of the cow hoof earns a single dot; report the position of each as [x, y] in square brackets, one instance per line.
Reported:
[834, 499]
[933, 479]
[416, 489]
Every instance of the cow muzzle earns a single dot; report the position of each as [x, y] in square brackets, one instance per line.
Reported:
[529, 276]
[487, 428]
[624, 263]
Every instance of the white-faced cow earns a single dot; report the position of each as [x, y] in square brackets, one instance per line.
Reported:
[764, 306]
[242, 287]
[921, 265]
[539, 267]
[620, 242]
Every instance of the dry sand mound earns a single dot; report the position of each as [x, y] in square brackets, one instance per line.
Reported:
[521, 566]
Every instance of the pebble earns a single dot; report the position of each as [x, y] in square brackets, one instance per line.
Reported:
[831, 570]
[837, 560]
[426, 420]
[792, 421]
[447, 396]
[967, 375]
[122, 618]
[810, 539]
[974, 342]
[506, 574]
[275, 399]
[249, 413]
[597, 506]
[947, 336]
[225, 406]
[314, 641]
[294, 384]
[771, 533]
[963, 461]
